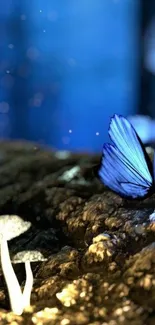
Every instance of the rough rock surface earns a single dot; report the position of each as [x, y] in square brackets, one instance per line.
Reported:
[100, 249]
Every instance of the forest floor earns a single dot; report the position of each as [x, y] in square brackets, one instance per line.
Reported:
[100, 248]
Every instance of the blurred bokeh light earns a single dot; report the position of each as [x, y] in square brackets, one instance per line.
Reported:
[65, 68]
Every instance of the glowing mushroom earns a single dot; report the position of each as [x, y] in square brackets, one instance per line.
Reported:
[28, 257]
[11, 226]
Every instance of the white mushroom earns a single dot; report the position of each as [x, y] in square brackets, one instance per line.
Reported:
[11, 226]
[28, 257]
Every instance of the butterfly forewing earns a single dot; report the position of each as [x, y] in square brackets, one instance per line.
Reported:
[124, 167]
[126, 140]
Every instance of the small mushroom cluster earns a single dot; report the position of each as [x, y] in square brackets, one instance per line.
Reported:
[12, 226]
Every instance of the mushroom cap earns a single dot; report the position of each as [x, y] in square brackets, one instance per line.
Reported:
[12, 226]
[31, 256]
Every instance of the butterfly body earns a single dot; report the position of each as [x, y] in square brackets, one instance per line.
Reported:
[125, 165]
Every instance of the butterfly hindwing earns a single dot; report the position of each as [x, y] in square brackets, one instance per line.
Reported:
[125, 165]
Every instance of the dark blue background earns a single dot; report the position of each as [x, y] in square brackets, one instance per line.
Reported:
[65, 67]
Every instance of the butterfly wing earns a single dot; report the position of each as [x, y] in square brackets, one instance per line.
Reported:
[125, 165]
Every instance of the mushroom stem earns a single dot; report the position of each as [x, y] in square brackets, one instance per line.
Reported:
[14, 290]
[28, 285]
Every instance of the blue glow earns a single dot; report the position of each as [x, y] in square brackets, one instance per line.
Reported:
[71, 65]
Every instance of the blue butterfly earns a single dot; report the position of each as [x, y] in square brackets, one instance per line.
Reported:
[125, 166]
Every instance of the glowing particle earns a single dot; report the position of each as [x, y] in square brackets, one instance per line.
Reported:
[97, 133]
[23, 17]
[70, 131]
[44, 31]
[11, 46]
[40, 10]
